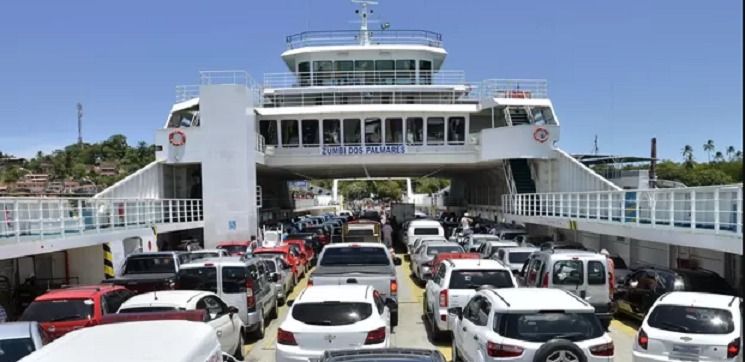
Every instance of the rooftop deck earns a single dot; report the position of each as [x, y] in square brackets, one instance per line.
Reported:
[355, 37]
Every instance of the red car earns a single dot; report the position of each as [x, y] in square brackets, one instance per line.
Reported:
[287, 256]
[306, 254]
[235, 248]
[64, 310]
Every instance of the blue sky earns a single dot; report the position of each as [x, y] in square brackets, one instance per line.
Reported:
[623, 70]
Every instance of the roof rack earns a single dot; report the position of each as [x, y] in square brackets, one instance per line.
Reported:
[500, 297]
[733, 300]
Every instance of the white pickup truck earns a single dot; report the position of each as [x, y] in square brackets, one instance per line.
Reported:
[360, 263]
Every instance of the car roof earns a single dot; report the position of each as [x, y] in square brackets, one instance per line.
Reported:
[478, 264]
[165, 298]
[520, 249]
[486, 236]
[78, 292]
[535, 299]
[204, 251]
[341, 293]
[571, 254]
[696, 299]
[157, 253]
[349, 245]
[11, 330]
[224, 261]
[423, 222]
[440, 243]
[498, 243]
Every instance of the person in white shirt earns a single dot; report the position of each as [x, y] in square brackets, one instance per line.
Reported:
[465, 223]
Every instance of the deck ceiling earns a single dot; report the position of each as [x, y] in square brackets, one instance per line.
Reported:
[331, 171]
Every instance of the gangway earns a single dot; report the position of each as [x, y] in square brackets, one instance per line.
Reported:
[709, 217]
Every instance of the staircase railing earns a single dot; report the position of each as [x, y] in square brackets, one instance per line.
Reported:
[507, 116]
[511, 186]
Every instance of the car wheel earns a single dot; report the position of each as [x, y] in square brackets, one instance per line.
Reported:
[259, 332]
[559, 350]
[239, 350]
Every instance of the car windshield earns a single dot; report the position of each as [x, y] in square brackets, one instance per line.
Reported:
[433, 250]
[147, 310]
[233, 249]
[472, 279]
[618, 262]
[545, 326]
[518, 257]
[365, 255]
[150, 264]
[204, 278]
[426, 231]
[693, 320]
[59, 310]
[331, 313]
[16, 348]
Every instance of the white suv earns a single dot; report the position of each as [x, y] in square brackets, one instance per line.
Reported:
[527, 324]
[453, 284]
[690, 326]
[333, 317]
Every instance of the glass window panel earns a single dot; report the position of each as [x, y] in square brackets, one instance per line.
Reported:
[331, 132]
[425, 72]
[405, 70]
[303, 68]
[352, 134]
[456, 130]
[435, 130]
[394, 131]
[322, 73]
[268, 130]
[373, 131]
[343, 72]
[386, 71]
[364, 71]
[310, 132]
[290, 133]
[414, 130]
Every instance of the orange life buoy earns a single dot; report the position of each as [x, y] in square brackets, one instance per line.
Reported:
[177, 137]
[540, 134]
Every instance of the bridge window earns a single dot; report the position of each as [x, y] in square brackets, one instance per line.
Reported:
[322, 73]
[268, 130]
[456, 130]
[425, 72]
[394, 131]
[290, 133]
[373, 131]
[352, 134]
[310, 132]
[386, 70]
[365, 69]
[303, 70]
[344, 72]
[405, 72]
[414, 130]
[435, 130]
[331, 132]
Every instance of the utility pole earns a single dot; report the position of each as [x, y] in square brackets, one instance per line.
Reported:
[80, 125]
[595, 149]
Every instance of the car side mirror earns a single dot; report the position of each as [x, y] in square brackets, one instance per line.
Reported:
[397, 261]
[274, 277]
[290, 303]
[457, 312]
[232, 310]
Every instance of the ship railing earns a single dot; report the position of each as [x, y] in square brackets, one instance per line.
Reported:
[356, 37]
[339, 97]
[260, 143]
[186, 92]
[25, 219]
[509, 88]
[228, 77]
[364, 78]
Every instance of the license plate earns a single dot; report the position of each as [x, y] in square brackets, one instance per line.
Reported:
[687, 349]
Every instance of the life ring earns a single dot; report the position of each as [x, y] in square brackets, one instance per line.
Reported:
[540, 134]
[177, 138]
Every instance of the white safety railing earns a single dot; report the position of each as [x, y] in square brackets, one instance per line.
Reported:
[364, 78]
[186, 92]
[355, 37]
[217, 77]
[260, 143]
[30, 219]
[510, 88]
[317, 150]
[355, 96]
[716, 208]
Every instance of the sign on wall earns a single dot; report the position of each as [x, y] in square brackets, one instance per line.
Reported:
[362, 150]
[232, 225]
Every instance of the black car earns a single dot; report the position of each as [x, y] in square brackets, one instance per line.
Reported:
[636, 295]
[384, 354]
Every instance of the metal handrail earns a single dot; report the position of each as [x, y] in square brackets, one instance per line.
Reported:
[354, 37]
[28, 219]
[364, 78]
[717, 208]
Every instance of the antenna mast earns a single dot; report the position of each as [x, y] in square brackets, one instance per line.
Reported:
[595, 148]
[80, 124]
[364, 21]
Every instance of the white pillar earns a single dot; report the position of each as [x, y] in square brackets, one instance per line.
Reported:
[409, 190]
[335, 190]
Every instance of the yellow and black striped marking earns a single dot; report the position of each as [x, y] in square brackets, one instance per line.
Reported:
[572, 225]
[108, 261]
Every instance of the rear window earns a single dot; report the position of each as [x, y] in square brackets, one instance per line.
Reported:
[694, 320]
[432, 250]
[59, 310]
[271, 265]
[149, 265]
[360, 232]
[365, 255]
[233, 249]
[707, 284]
[148, 310]
[618, 262]
[330, 313]
[543, 327]
[518, 257]
[269, 255]
[198, 256]
[426, 231]
[596, 273]
[16, 348]
[472, 279]
[233, 280]
[204, 278]
[568, 272]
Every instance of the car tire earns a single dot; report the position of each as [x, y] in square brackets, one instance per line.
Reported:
[553, 348]
[238, 354]
[259, 332]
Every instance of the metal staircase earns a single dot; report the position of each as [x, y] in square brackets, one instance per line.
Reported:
[519, 116]
[522, 176]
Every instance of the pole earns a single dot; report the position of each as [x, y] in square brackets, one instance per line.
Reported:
[653, 165]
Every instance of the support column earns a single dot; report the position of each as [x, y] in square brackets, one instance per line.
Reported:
[335, 190]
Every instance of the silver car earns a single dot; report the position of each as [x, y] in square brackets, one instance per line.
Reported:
[284, 280]
[421, 261]
[19, 339]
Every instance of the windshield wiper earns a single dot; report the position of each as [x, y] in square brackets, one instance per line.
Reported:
[66, 318]
[677, 327]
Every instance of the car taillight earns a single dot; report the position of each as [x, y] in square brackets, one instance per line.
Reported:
[394, 286]
[733, 348]
[285, 337]
[250, 299]
[605, 350]
[503, 350]
[310, 282]
[641, 339]
[444, 298]
[544, 283]
[376, 337]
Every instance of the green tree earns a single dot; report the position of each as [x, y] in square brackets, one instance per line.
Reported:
[730, 152]
[709, 148]
[688, 156]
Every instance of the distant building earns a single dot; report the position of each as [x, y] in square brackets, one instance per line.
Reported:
[107, 169]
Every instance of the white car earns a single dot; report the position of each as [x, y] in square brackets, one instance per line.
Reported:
[690, 326]
[223, 319]
[528, 324]
[333, 317]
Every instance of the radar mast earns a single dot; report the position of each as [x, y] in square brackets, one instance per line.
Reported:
[364, 21]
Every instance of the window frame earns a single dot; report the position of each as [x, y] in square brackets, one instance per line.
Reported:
[450, 132]
[340, 137]
[420, 136]
[285, 141]
[345, 129]
[317, 140]
[429, 127]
